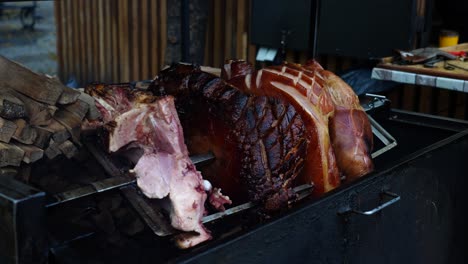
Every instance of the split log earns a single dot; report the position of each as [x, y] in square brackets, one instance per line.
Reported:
[71, 122]
[93, 112]
[58, 131]
[39, 114]
[10, 106]
[7, 130]
[52, 109]
[52, 150]
[10, 155]
[79, 108]
[68, 149]
[31, 153]
[69, 95]
[44, 135]
[24, 132]
[37, 86]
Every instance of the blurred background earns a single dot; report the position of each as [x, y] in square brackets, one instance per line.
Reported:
[84, 41]
[28, 34]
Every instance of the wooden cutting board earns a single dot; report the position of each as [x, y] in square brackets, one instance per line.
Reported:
[438, 70]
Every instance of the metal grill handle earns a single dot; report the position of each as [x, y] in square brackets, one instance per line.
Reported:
[395, 198]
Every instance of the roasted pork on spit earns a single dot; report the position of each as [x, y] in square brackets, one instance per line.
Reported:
[270, 130]
[136, 119]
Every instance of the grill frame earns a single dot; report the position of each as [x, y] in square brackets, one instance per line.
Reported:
[311, 230]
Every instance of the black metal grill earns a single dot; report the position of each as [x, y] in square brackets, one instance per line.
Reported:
[425, 170]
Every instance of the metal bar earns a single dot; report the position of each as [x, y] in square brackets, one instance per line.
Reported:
[316, 11]
[151, 214]
[379, 208]
[103, 159]
[430, 121]
[93, 188]
[22, 223]
[302, 191]
[376, 95]
[233, 210]
[377, 101]
[202, 158]
[110, 184]
[382, 134]
[381, 129]
[71, 240]
[383, 150]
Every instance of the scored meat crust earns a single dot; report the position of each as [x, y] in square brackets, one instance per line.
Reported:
[342, 130]
[307, 94]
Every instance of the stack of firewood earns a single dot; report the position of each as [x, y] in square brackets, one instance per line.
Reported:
[39, 116]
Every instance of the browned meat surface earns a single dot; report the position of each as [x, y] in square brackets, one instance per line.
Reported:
[341, 125]
[350, 130]
[269, 130]
[259, 141]
[139, 120]
[307, 94]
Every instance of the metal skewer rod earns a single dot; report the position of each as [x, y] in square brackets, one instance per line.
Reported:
[109, 184]
[302, 191]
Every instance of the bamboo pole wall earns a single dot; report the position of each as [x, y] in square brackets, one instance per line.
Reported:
[125, 40]
[227, 32]
[110, 40]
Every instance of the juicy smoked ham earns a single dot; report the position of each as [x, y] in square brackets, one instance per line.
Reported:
[259, 141]
[339, 117]
[307, 94]
[350, 130]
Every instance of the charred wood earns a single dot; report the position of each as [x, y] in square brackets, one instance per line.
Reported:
[10, 106]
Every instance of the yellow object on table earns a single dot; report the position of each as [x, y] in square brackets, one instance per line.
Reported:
[448, 38]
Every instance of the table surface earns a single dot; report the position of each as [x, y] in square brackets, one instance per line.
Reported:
[456, 79]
